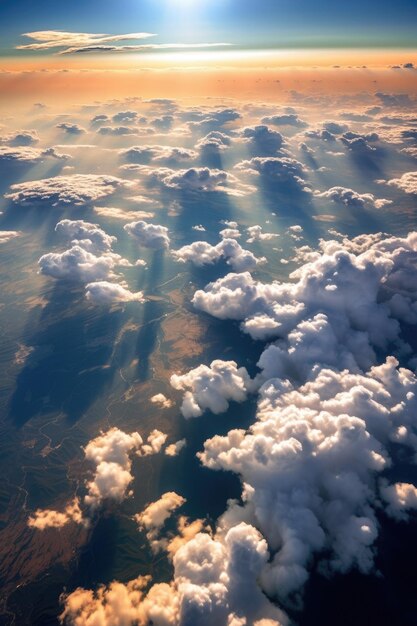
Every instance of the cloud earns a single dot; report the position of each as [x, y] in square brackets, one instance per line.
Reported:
[117, 213]
[89, 260]
[316, 314]
[277, 170]
[50, 39]
[79, 264]
[127, 117]
[211, 387]
[202, 253]
[351, 198]
[28, 155]
[175, 448]
[401, 498]
[287, 119]
[407, 182]
[256, 234]
[154, 443]
[167, 154]
[117, 130]
[72, 42]
[394, 100]
[20, 138]
[358, 143]
[152, 236]
[154, 516]
[213, 582]
[80, 231]
[104, 292]
[61, 191]
[309, 468]
[71, 129]
[262, 139]
[161, 401]
[201, 180]
[110, 455]
[8, 235]
[42, 519]
[143, 47]
[214, 142]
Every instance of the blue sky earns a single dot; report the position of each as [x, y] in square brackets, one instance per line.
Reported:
[245, 23]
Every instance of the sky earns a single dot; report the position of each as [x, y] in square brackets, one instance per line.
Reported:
[242, 23]
[208, 303]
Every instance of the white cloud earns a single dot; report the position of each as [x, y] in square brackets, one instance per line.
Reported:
[110, 454]
[201, 180]
[309, 468]
[400, 497]
[8, 235]
[20, 138]
[50, 39]
[212, 387]
[256, 234]
[104, 292]
[28, 155]
[61, 191]
[202, 253]
[78, 264]
[161, 400]
[407, 182]
[351, 198]
[154, 516]
[175, 448]
[317, 313]
[157, 154]
[42, 519]
[154, 443]
[152, 236]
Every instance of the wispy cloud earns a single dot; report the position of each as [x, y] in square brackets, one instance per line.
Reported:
[72, 43]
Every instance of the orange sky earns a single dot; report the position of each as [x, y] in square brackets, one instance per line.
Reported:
[211, 74]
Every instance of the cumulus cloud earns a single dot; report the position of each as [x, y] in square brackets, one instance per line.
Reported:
[286, 119]
[90, 260]
[202, 253]
[42, 519]
[110, 453]
[61, 191]
[316, 314]
[20, 138]
[309, 467]
[201, 180]
[152, 236]
[154, 516]
[256, 234]
[407, 182]
[214, 142]
[351, 198]
[214, 581]
[8, 235]
[262, 139]
[211, 387]
[161, 400]
[167, 154]
[175, 448]
[71, 129]
[281, 171]
[154, 443]
[88, 234]
[105, 292]
[28, 155]
[400, 497]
